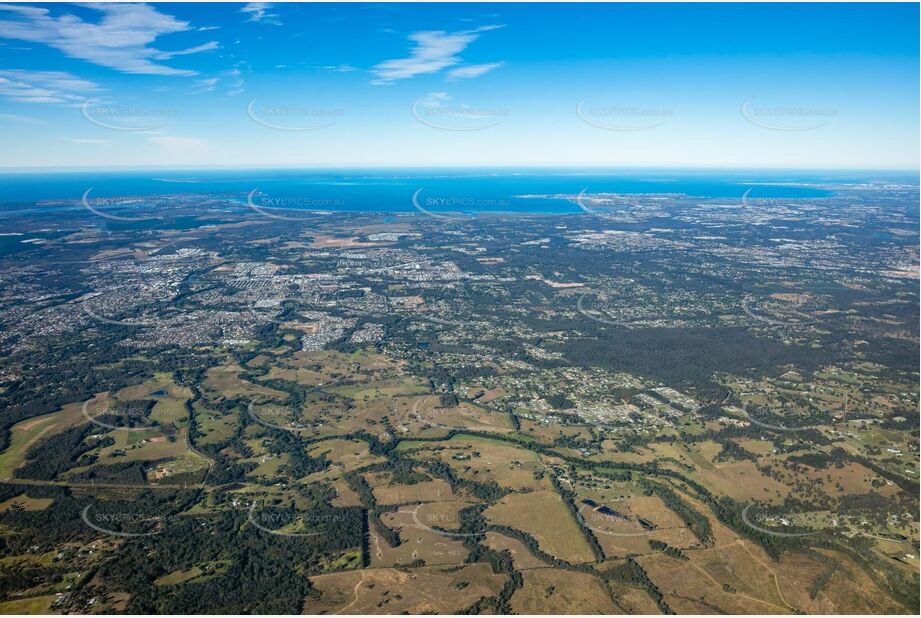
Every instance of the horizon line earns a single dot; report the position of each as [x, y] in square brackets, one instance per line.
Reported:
[359, 166]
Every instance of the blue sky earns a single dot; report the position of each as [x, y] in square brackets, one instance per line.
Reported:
[646, 85]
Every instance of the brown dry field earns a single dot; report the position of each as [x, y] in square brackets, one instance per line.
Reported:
[558, 591]
[521, 556]
[507, 465]
[549, 433]
[654, 509]
[654, 452]
[345, 495]
[743, 482]
[853, 478]
[690, 586]
[225, 382]
[418, 543]
[633, 600]
[619, 537]
[543, 515]
[439, 514]
[426, 411]
[391, 591]
[489, 394]
[425, 491]
[343, 455]
[740, 578]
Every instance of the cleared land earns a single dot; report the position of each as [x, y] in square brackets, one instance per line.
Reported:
[391, 591]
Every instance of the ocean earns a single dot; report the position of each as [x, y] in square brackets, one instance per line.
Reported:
[381, 190]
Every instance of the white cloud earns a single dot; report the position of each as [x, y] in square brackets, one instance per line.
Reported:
[433, 51]
[435, 99]
[206, 85]
[261, 12]
[237, 85]
[338, 68]
[120, 40]
[185, 52]
[43, 86]
[87, 140]
[472, 70]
